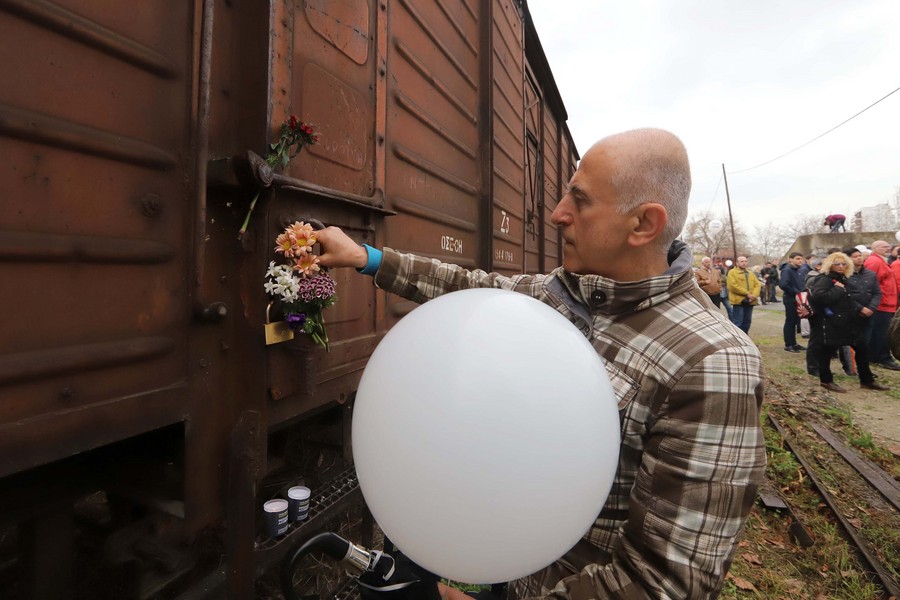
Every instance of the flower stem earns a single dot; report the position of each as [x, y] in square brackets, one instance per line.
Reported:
[247, 218]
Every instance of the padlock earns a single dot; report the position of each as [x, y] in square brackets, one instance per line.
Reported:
[278, 331]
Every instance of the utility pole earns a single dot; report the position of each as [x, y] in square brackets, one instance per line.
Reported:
[730, 218]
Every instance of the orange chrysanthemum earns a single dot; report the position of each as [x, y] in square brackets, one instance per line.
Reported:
[307, 264]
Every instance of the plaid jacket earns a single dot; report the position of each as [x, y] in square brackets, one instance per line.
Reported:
[689, 386]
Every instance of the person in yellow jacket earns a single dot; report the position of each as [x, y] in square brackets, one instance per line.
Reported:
[743, 293]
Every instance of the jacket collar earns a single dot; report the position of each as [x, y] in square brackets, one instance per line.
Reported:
[601, 295]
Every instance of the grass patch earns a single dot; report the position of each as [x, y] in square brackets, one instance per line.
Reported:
[864, 441]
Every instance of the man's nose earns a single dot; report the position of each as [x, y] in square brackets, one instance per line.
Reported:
[560, 214]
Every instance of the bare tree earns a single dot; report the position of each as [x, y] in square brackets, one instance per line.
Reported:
[771, 241]
[705, 239]
[803, 226]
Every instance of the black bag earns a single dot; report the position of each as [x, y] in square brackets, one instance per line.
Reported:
[746, 302]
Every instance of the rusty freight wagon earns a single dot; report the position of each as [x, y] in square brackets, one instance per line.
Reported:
[142, 417]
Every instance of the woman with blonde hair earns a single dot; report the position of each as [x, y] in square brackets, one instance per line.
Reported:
[836, 312]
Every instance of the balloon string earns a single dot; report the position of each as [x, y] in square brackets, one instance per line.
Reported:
[446, 589]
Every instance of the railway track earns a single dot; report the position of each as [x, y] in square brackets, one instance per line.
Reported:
[856, 494]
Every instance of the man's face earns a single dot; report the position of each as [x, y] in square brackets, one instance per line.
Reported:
[797, 261]
[881, 248]
[593, 233]
[742, 262]
[857, 258]
[706, 263]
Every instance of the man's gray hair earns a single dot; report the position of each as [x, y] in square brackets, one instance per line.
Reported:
[654, 168]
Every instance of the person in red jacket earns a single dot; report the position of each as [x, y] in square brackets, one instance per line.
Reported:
[881, 320]
[836, 222]
[895, 268]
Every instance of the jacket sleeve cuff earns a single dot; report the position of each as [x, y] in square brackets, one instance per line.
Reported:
[373, 260]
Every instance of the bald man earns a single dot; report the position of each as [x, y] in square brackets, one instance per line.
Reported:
[689, 384]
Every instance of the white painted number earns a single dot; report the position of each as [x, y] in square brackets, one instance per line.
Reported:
[451, 244]
[504, 222]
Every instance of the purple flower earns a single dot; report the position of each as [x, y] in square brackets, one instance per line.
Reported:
[295, 321]
[317, 287]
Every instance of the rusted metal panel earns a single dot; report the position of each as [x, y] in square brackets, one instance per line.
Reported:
[331, 83]
[328, 68]
[534, 173]
[303, 377]
[94, 229]
[509, 138]
[433, 151]
[135, 306]
[552, 175]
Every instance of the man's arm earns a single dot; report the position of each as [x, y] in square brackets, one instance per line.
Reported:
[702, 463]
[420, 279]
[737, 285]
[876, 294]
[785, 282]
[755, 287]
[414, 277]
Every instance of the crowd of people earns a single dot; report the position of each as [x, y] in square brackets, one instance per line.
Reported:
[851, 296]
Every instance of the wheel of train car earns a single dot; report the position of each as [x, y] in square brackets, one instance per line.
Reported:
[485, 435]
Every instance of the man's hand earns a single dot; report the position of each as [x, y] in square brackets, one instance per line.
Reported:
[338, 250]
[866, 312]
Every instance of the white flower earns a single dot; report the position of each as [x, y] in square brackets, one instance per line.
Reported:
[282, 281]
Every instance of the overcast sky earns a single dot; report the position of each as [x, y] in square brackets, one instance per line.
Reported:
[741, 83]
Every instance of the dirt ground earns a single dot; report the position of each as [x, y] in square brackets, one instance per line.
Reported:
[876, 412]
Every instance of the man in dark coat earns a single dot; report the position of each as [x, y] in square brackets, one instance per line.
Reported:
[865, 293]
[792, 283]
[770, 273]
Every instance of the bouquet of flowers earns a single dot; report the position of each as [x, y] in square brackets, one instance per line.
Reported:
[303, 287]
[294, 135]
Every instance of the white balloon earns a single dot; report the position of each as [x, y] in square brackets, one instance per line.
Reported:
[715, 226]
[897, 235]
[485, 435]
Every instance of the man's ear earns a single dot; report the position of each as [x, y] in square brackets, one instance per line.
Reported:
[651, 220]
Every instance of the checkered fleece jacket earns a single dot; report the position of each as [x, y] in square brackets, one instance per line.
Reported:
[689, 386]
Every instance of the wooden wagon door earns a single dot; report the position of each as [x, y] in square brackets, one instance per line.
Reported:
[96, 184]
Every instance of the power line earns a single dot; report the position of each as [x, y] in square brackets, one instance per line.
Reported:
[818, 136]
[715, 195]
